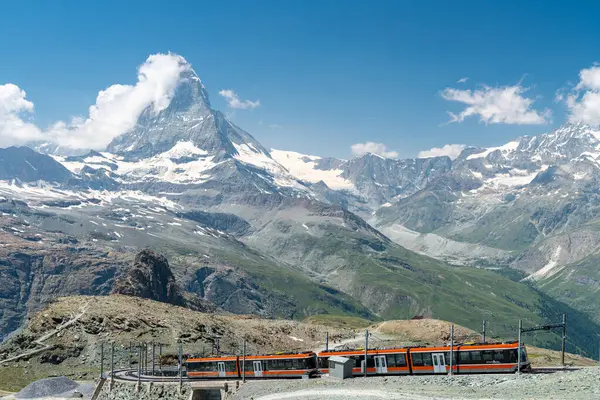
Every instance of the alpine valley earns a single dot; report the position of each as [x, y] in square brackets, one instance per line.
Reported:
[500, 234]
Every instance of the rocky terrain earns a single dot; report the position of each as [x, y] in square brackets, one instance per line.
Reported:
[66, 337]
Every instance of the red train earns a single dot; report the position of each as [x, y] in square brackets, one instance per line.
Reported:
[468, 359]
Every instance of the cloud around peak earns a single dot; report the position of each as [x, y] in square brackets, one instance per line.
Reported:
[380, 149]
[233, 100]
[450, 150]
[116, 110]
[496, 105]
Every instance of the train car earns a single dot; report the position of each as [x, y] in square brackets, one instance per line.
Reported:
[212, 367]
[281, 365]
[469, 358]
[291, 365]
[379, 361]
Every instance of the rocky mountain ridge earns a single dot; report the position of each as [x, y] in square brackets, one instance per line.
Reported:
[274, 233]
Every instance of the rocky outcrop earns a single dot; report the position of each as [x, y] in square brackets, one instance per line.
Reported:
[150, 277]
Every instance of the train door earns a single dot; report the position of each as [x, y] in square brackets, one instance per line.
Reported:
[221, 369]
[439, 363]
[380, 364]
[258, 369]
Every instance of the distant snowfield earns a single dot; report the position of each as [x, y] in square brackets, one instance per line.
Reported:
[307, 171]
[439, 247]
[44, 191]
[548, 270]
[505, 149]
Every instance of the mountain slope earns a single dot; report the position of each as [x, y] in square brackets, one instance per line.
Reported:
[242, 231]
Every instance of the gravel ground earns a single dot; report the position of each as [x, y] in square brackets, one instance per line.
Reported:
[53, 388]
[580, 384]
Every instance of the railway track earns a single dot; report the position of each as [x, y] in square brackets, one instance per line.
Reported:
[131, 375]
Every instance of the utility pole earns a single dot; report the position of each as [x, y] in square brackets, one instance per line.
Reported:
[519, 348]
[180, 364]
[366, 349]
[326, 341]
[145, 371]
[153, 356]
[451, 348]
[101, 360]
[130, 355]
[244, 361]
[564, 337]
[160, 357]
[112, 361]
[483, 331]
[139, 382]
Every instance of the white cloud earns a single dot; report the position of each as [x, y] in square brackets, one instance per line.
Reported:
[450, 150]
[360, 149]
[496, 105]
[583, 102]
[275, 126]
[233, 100]
[462, 80]
[13, 129]
[116, 110]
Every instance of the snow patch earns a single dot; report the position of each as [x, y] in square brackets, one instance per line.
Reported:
[505, 149]
[547, 270]
[306, 170]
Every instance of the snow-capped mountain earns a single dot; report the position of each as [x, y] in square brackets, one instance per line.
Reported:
[188, 180]
[370, 181]
[185, 147]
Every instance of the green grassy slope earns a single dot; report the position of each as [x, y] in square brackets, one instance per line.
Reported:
[398, 284]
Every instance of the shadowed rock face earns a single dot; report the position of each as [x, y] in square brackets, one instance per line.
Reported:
[150, 277]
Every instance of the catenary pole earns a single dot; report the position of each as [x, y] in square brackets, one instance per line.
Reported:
[451, 348]
[139, 382]
[483, 331]
[366, 349]
[101, 360]
[153, 356]
[112, 361]
[244, 362]
[180, 366]
[564, 337]
[519, 348]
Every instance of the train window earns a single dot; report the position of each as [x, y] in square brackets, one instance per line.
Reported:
[464, 357]
[323, 362]
[417, 359]
[311, 363]
[447, 357]
[427, 361]
[499, 356]
[370, 362]
[358, 361]
[487, 356]
[249, 366]
[391, 360]
[399, 360]
[230, 366]
[200, 367]
[476, 357]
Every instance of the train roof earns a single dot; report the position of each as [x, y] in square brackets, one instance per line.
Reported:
[424, 348]
[250, 356]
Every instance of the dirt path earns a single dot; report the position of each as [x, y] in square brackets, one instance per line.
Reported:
[40, 341]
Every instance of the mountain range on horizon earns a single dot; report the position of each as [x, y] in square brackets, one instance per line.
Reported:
[279, 233]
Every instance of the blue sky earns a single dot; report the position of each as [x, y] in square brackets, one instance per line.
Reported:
[328, 74]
